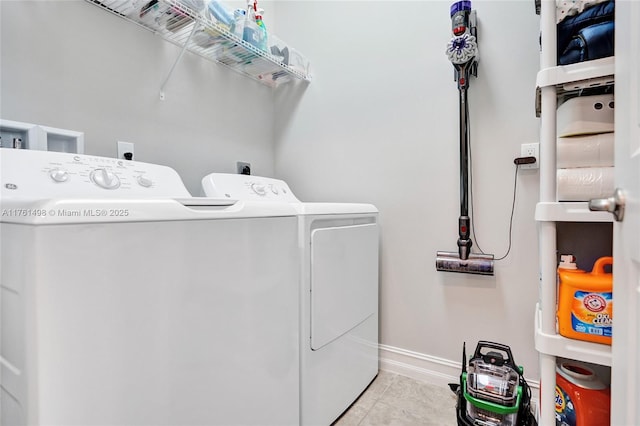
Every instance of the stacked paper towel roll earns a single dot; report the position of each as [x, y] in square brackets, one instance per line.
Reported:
[585, 183]
[585, 151]
[585, 148]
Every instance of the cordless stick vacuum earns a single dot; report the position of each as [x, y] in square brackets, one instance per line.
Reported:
[462, 51]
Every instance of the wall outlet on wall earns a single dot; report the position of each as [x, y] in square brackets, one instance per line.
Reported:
[243, 168]
[530, 150]
[125, 150]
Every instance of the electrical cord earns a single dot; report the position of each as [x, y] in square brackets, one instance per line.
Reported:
[513, 203]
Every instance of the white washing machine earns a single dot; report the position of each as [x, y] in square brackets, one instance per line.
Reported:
[339, 292]
[125, 301]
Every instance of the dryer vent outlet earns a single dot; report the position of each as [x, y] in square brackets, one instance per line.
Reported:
[243, 168]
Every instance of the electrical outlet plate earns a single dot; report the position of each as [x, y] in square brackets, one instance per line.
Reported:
[530, 150]
[240, 168]
[125, 147]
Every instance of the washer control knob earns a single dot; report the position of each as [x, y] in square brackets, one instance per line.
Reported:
[144, 182]
[105, 179]
[59, 175]
[274, 190]
[258, 189]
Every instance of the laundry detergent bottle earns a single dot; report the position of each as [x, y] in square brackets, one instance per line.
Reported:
[585, 303]
[581, 398]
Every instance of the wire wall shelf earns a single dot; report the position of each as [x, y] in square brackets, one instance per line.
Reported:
[200, 33]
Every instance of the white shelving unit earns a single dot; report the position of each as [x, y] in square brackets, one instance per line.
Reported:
[578, 76]
[552, 81]
[200, 33]
[559, 346]
[569, 212]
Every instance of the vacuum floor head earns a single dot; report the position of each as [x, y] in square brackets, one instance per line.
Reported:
[448, 261]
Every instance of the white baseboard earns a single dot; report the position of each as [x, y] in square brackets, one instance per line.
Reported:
[418, 366]
[431, 369]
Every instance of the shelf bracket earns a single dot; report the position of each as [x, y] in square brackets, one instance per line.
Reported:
[184, 47]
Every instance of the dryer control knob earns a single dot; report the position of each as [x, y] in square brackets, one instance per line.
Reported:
[274, 190]
[145, 182]
[59, 175]
[258, 189]
[105, 179]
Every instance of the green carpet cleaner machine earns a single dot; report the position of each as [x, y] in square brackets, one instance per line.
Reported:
[462, 51]
[492, 391]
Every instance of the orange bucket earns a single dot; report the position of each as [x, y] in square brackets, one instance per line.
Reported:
[585, 303]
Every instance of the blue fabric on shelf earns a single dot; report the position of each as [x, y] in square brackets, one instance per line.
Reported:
[593, 42]
[571, 26]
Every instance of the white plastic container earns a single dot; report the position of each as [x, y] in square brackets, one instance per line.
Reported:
[585, 115]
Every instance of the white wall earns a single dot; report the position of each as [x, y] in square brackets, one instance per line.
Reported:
[379, 123]
[71, 65]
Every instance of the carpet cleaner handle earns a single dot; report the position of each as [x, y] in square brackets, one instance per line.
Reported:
[493, 357]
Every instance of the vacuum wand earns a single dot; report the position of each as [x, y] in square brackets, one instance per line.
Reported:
[462, 51]
[464, 222]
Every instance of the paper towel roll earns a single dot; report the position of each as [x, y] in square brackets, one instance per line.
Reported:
[585, 183]
[585, 151]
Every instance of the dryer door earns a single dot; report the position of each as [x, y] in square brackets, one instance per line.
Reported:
[344, 280]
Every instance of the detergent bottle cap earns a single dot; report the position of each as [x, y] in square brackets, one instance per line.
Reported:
[567, 261]
[580, 375]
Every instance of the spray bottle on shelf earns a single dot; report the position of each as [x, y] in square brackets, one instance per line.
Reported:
[262, 30]
[252, 6]
[250, 33]
[237, 26]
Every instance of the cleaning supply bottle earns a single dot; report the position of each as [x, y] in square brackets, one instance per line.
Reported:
[237, 26]
[251, 31]
[585, 303]
[581, 398]
[263, 29]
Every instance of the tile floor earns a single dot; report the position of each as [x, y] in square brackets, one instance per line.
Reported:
[400, 401]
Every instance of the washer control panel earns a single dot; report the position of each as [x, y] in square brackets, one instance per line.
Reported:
[244, 187]
[46, 174]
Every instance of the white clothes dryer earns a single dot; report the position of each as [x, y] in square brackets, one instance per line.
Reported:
[338, 245]
[125, 301]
